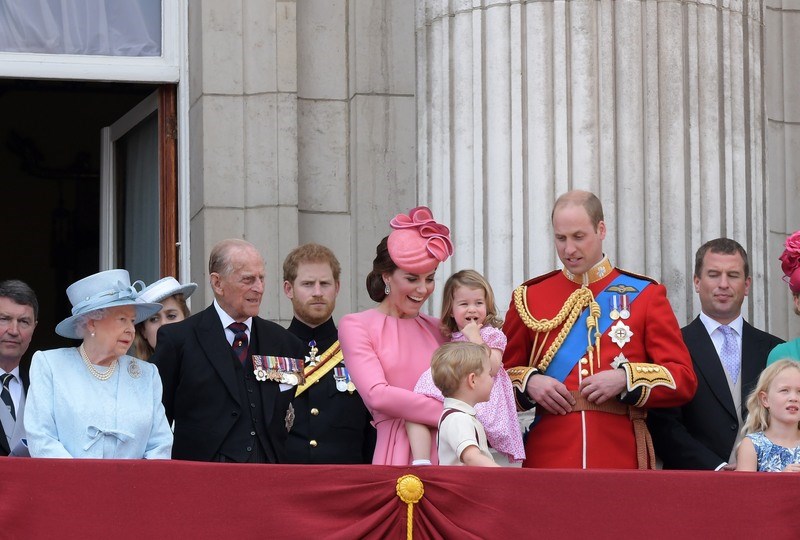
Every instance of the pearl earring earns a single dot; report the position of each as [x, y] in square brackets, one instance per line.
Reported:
[387, 290]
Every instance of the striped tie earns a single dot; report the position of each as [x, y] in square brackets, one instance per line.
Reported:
[6, 395]
[239, 340]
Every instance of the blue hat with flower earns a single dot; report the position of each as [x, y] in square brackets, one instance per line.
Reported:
[110, 288]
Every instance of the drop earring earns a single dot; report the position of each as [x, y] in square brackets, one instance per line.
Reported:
[386, 289]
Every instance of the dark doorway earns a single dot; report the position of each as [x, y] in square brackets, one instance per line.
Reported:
[50, 167]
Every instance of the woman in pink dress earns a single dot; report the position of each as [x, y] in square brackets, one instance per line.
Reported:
[387, 348]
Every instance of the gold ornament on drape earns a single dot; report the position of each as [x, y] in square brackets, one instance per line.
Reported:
[410, 490]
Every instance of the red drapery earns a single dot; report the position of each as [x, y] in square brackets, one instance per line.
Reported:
[42, 498]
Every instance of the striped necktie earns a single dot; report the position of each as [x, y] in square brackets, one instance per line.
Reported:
[240, 343]
[6, 395]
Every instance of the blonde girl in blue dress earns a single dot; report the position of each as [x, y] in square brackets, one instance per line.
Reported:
[772, 429]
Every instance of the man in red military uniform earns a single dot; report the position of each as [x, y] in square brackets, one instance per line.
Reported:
[591, 347]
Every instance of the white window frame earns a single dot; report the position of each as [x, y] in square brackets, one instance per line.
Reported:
[171, 67]
[156, 69]
[108, 183]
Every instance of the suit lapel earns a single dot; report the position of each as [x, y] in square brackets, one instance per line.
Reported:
[5, 419]
[24, 374]
[753, 359]
[211, 337]
[708, 363]
[259, 343]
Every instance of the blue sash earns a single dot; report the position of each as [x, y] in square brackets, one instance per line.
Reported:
[574, 346]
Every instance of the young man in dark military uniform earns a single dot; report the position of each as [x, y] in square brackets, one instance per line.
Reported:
[331, 423]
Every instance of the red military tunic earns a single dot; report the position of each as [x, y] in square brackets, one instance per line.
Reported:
[660, 372]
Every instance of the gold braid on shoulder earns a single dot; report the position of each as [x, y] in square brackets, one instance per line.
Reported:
[566, 317]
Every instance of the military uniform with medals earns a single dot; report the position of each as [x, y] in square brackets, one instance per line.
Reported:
[331, 424]
[627, 324]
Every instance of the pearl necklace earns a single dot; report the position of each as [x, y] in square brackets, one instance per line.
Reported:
[103, 376]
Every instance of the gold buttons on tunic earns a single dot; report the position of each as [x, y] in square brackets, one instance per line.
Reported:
[584, 372]
[584, 361]
[314, 411]
[313, 443]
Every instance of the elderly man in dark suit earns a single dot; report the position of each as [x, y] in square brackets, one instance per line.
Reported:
[19, 312]
[728, 355]
[221, 409]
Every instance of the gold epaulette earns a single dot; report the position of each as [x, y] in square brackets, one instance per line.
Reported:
[646, 376]
[640, 276]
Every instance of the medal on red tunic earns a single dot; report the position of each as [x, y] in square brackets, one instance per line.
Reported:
[620, 334]
[625, 312]
[614, 302]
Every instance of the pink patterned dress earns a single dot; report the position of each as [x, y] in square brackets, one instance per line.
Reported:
[385, 356]
[499, 414]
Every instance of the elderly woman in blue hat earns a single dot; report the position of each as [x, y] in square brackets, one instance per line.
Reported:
[171, 294]
[95, 401]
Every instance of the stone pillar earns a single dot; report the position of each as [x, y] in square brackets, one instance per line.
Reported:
[656, 106]
[356, 130]
[782, 74]
[243, 124]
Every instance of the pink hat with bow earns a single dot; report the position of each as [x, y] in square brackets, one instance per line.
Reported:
[790, 262]
[418, 244]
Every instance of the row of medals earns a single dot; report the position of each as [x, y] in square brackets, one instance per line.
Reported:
[276, 372]
[619, 307]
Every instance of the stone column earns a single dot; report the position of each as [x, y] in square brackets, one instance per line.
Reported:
[782, 74]
[356, 130]
[656, 106]
[242, 120]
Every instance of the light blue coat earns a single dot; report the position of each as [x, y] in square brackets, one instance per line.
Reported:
[70, 413]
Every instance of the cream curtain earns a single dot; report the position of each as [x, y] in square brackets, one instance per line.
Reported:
[87, 27]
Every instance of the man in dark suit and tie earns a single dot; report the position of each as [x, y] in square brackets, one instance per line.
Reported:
[728, 355]
[19, 313]
[221, 409]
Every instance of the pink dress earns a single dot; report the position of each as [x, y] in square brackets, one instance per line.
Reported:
[385, 357]
[499, 414]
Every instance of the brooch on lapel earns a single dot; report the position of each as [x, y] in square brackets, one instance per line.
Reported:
[134, 369]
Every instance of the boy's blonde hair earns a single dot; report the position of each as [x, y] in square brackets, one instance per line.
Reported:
[757, 414]
[453, 361]
[473, 280]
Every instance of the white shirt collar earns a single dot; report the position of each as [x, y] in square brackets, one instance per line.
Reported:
[711, 325]
[14, 372]
[453, 403]
[227, 319]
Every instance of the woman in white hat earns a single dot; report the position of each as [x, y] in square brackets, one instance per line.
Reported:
[172, 295]
[95, 401]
